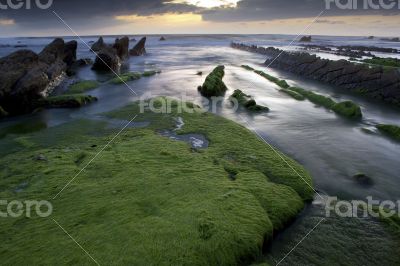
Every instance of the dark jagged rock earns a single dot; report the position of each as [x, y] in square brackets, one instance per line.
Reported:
[97, 46]
[375, 82]
[306, 39]
[162, 39]
[26, 76]
[139, 49]
[371, 37]
[247, 101]
[122, 47]
[363, 179]
[107, 59]
[397, 39]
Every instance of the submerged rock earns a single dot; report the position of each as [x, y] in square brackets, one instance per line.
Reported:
[26, 77]
[247, 102]
[363, 179]
[66, 101]
[139, 49]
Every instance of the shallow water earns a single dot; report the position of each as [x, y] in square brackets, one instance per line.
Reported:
[332, 148]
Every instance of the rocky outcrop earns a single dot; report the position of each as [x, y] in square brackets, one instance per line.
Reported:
[26, 76]
[162, 39]
[306, 39]
[97, 46]
[110, 57]
[374, 82]
[139, 49]
[122, 47]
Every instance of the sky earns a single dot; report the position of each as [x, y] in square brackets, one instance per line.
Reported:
[117, 17]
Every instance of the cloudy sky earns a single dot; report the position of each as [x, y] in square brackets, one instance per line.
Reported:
[94, 17]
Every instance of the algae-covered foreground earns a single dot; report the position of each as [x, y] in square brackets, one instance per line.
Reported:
[148, 200]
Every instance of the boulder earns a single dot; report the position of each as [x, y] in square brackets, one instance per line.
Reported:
[26, 76]
[162, 39]
[122, 47]
[139, 48]
[107, 59]
[97, 46]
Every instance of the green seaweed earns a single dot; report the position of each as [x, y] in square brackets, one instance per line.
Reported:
[248, 67]
[390, 130]
[150, 73]
[280, 82]
[314, 97]
[248, 102]
[214, 85]
[387, 62]
[82, 86]
[126, 77]
[174, 207]
[293, 94]
[348, 109]
[66, 101]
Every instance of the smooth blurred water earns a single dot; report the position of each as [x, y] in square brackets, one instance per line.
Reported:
[332, 148]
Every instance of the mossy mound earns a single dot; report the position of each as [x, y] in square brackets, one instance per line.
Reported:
[66, 101]
[280, 82]
[247, 101]
[82, 86]
[314, 97]
[3, 113]
[248, 67]
[293, 94]
[126, 77]
[163, 202]
[150, 73]
[390, 130]
[388, 62]
[214, 85]
[348, 109]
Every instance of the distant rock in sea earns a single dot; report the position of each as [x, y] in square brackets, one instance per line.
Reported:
[162, 39]
[397, 39]
[306, 39]
[371, 37]
[139, 49]
[26, 77]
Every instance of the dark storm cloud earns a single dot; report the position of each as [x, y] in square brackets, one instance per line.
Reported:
[254, 10]
[101, 12]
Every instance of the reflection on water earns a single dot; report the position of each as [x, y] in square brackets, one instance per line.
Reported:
[332, 148]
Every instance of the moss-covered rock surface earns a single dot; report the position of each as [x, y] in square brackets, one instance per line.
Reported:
[66, 101]
[147, 199]
[390, 130]
[247, 101]
[214, 85]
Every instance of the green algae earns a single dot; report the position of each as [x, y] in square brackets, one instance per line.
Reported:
[247, 101]
[347, 109]
[66, 101]
[293, 94]
[136, 205]
[82, 86]
[126, 77]
[392, 131]
[214, 85]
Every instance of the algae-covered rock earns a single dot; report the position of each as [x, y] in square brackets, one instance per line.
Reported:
[67, 101]
[123, 78]
[348, 109]
[214, 85]
[82, 86]
[314, 97]
[390, 130]
[247, 101]
[293, 94]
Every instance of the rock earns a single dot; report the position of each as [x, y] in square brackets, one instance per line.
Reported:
[26, 77]
[371, 37]
[66, 101]
[107, 59]
[41, 157]
[133, 40]
[139, 48]
[306, 39]
[3, 113]
[391, 39]
[375, 82]
[97, 46]
[122, 47]
[199, 73]
[214, 85]
[363, 179]
[247, 101]
[162, 39]
[84, 62]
